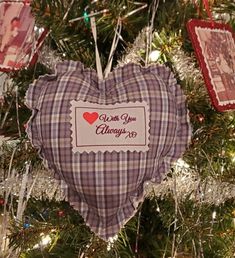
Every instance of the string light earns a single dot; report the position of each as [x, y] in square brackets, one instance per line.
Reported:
[182, 164]
[45, 240]
[154, 55]
[39, 30]
[233, 159]
[111, 241]
[213, 215]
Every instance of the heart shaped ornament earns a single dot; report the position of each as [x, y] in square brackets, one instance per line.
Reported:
[105, 139]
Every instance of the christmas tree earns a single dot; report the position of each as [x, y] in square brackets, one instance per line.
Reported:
[192, 212]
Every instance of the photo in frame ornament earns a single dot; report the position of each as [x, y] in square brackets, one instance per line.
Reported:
[19, 38]
[214, 47]
[104, 139]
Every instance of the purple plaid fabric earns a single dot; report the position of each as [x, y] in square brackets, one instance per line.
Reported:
[107, 187]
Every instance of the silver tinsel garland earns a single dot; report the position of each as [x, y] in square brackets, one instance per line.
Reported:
[48, 57]
[40, 182]
[185, 182]
[186, 66]
[133, 52]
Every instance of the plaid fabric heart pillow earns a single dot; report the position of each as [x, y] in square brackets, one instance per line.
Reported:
[105, 139]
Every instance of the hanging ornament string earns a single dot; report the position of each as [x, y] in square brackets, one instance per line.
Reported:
[86, 17]
[198, 8]
[116, 38]
[207, 8]
[149, 31]
[117, 35]
[97, 54]
[208, 11]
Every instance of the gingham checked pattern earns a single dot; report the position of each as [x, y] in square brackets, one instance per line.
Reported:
[106, 187]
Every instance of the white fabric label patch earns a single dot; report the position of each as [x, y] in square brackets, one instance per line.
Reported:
[118, 127]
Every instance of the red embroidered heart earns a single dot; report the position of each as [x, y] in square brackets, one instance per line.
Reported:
[90, 117]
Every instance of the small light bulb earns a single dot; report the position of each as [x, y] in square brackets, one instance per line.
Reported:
[154, 55]
[213, 214]
[46, 240]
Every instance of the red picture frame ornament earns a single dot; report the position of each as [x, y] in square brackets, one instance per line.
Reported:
[214, 45]
[19, 43]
